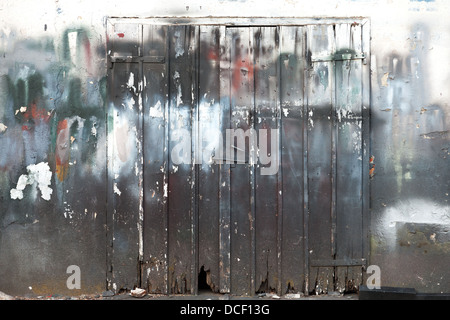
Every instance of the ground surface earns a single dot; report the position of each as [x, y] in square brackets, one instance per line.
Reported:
[203, 295]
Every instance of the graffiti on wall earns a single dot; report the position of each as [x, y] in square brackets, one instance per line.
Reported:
[52, 118]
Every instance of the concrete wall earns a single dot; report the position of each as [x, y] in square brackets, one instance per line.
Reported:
[53, 134]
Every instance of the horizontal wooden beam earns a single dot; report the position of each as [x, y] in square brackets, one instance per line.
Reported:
[338, 262]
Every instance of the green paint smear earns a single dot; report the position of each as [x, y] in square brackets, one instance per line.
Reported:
[35, 87]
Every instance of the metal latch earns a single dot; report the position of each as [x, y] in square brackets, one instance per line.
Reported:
[135, 59]
[340, 57]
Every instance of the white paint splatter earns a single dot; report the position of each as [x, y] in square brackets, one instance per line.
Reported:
[140, 102]
[136, 169]
[21, 109]
[17, 193]
[179, 49]
[176, 76]
[420, 211]
[310, 120]
[37, 173]
[131, 103]
[94, 130]
[3, 128]
[165, 190]
[130, 83]
[156, 111]
[116, 189]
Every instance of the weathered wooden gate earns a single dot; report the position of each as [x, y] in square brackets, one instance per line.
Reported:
[281, 204]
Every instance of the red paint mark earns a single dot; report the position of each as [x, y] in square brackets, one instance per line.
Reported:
[62, 152]
[121, 35]
[243, 72]
[372, 172]
[212, 55]
[36, 114]
[87, 51]
[62, 125]
[372, 166]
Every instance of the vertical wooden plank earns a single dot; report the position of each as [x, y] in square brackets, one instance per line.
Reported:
[165, 169]
[366, 94]
[242, 102]
[194, 48]
[182, 99]
[123, 123]
[292, 73]
[210, 140]
[266, 53]
[319, 166]
[123, 127]
[277, 146]
[224, 168]
[349, 156]
[155, 103]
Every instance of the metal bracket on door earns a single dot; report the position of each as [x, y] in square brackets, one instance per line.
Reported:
[340, 57]
[135, 59]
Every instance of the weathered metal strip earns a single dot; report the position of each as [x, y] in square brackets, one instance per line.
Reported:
[265, 175]
[251, 167]
[194, 57]
[242, 104]
[224, 167]
[178, 188]
[123, 182]
[319, 161]
[155, 105]
[278, 158]
[349, 157]
[165, 168]
[209, 124]
[366, 152]
[291, 89]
